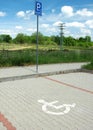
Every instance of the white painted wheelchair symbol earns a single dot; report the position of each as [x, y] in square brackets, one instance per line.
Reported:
[63, 109]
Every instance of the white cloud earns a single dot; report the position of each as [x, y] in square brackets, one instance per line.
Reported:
[89, 23]
[75, 24]
[2, 14]
[5, 31]
[25, 14]
[11, 32]
[21, 14]
[45, 25]
[50, 18]
[31, 30]
[19, 27]
[51, 30]
[57, 23]
[85, 31]
[67, 32]
[84, 12]
[67, 10]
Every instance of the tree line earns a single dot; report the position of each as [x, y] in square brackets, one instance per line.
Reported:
[46, 40]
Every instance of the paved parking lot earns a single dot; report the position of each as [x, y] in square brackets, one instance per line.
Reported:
[57, 102]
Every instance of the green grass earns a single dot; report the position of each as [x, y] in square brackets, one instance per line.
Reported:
[88, 66]
[12, 46]
[28, 57]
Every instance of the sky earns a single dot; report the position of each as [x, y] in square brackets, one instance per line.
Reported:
[17, 16]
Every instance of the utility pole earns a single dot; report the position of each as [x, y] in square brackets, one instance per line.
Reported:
[61, 27]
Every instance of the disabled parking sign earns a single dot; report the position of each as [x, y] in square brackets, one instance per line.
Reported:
[38, 8]
[46, 105]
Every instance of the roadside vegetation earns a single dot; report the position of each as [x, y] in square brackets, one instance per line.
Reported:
[22, 50]
[88, 66]
[28, 57]
[22, 39]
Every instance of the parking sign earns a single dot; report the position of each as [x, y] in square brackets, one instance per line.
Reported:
[38, 8]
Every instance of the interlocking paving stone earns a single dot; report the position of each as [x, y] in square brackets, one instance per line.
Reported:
[19, 102]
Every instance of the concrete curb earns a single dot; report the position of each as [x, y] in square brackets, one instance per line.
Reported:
[12, 78]
[87, 71]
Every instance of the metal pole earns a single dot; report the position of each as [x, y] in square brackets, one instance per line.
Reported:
[37, 46]
[38, 12]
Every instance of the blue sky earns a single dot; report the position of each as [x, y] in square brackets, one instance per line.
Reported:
[17, 16]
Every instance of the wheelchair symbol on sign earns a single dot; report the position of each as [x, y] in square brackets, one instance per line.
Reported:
[63, 109]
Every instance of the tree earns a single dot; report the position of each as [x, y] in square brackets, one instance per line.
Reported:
[20, 38]
[40, 38]
[5, 38]
[56, 39]
[81, 39]
[69, 41]
[88, 39]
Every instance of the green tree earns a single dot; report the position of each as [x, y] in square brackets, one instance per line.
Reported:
[81, 39]
[5, 38]
[57, 40]
[88, 39]
[27, 39]
[40, 38]
[20, 38]
[69, 41]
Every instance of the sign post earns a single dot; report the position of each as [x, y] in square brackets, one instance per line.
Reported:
[38, 12]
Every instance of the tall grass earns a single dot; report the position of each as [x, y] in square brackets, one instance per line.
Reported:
[88, 66]
[65, 56]
[28, 57]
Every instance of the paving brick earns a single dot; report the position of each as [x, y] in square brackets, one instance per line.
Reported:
[19, 102]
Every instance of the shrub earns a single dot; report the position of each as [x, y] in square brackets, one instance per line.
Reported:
[88, 66]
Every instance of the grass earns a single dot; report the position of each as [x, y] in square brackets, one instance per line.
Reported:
[88, 66]
[13, 47]
[47, 56]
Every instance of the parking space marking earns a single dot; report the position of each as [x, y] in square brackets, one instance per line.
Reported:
[67, 107]
[6, 123]
[69, 85]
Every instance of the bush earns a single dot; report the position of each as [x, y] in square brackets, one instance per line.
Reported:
[28, 56]
[88, 66]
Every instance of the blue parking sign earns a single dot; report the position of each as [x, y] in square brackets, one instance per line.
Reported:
[38, 8]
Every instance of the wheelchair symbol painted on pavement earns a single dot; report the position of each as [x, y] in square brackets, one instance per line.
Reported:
[59, 110]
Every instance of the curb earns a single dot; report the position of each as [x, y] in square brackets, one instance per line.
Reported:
[87, 71]
[13, 78]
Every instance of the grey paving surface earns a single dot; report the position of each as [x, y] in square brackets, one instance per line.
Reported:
[20, 103]
[24, 72]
